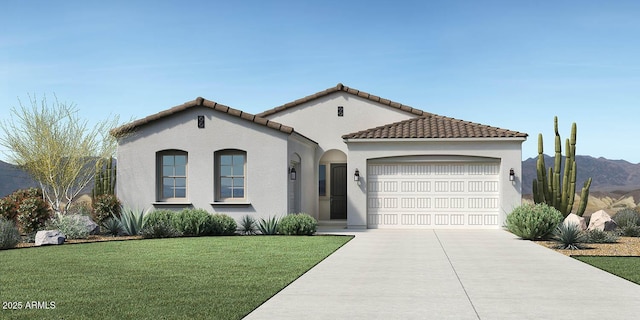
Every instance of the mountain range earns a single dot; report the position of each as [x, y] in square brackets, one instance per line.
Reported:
[607, 175]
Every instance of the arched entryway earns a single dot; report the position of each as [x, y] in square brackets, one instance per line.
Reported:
[332, 185]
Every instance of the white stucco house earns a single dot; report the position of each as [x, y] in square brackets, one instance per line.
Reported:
[341, 155]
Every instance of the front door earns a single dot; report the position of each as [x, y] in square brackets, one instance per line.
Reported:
[338, 191]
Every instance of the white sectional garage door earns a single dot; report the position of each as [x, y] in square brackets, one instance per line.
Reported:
[433, 195]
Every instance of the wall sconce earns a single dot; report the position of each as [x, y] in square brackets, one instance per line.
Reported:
[512, 175]
[292, 173]
[356, 175]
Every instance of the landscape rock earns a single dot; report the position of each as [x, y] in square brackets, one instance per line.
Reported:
[573, 218]
[91, 226]
[601, 220]
[49, 237]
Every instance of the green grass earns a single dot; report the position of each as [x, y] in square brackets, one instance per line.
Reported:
[624, 267]
[179, 278]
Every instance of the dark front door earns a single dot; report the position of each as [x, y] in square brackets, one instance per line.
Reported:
[338, 191]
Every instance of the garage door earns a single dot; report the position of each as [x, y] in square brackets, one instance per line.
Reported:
[433, 195]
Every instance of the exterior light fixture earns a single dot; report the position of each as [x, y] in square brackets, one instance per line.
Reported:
[292, 173]
[512, 175]
[356, 175]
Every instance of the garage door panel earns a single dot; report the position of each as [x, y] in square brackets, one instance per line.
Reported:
[433, 195]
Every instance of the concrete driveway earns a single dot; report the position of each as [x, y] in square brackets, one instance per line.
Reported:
[451, 274]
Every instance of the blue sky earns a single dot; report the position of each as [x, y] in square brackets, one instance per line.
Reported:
[510, 64]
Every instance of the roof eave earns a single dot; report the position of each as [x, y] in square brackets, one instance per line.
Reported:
[491, 139]
[342, 88]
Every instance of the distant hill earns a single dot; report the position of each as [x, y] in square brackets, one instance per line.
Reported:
[12, 179]
[607, 175]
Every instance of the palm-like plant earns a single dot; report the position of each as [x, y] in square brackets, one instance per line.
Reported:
[569, 235]
[248, 225]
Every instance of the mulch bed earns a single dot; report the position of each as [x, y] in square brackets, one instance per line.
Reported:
[626, 246]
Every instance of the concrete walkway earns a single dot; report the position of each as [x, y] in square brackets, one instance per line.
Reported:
[451, 274]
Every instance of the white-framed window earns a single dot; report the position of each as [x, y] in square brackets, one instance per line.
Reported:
[172, 175]
[230, 175]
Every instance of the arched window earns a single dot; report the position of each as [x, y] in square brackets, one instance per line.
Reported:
[230, 175]
[172, 175]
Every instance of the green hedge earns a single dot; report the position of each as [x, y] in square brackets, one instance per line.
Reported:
[297, 224]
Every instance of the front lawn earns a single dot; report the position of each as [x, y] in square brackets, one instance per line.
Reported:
[624, 267]
[180, 278]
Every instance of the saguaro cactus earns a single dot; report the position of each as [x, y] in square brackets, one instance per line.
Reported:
[105, 178]
[548, 187]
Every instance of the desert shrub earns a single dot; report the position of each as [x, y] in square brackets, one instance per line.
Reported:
[533, 221]
[626, 217]
[131, 221]
[8, 209]
[33, 213]
[111, 226]
[192, 222]
[159, 224]
[569, 236]
[268, 226]
[629, 231]
[27, 209]
[9, 234]
[104, 207]
[221, 225]
[70, 226]
[157, 216]
[248, 225]
[599, 236]
[298, 224]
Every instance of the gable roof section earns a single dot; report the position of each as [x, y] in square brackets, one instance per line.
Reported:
[432, 126]
[342, 88]
[201, 102]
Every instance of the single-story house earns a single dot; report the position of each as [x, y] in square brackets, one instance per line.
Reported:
[341, 155]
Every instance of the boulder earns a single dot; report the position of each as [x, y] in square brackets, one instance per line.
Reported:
[600, 220]
[573, 218]
[49, 237]
[91, 226]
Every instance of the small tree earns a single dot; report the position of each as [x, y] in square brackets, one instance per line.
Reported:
[56, 147]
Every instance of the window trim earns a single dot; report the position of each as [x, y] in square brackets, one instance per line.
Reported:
[160, 176]
[218, 199]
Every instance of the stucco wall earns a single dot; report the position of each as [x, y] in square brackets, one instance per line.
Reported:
[318, 119]
[267, 162]
[300, 149]
[507, 151]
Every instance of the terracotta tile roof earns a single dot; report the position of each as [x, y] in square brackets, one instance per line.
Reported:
[201, 102]
[342, 88]
[434, 126]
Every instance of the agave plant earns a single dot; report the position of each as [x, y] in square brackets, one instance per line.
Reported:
[112, 226]
[269, 226]
[132, 221]
[569, 236]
